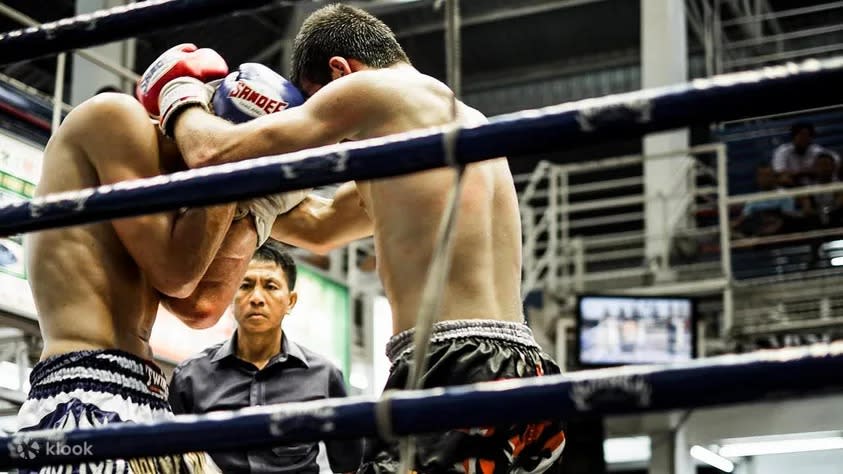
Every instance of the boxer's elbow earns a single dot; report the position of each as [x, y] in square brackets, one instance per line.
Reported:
[177, 285]
[203, 314]
[196, 313]
[199, 320]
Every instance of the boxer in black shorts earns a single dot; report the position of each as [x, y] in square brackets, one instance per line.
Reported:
[463, 352]
[361, 85]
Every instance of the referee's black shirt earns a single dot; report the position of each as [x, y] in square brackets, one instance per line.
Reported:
[216, 379]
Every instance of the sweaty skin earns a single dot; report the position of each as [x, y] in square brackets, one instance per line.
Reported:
[98, 286]
[402, 213]
[485, 277]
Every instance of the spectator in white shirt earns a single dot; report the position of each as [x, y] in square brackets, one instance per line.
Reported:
[826, 209]
[768, 217]
[794, 161]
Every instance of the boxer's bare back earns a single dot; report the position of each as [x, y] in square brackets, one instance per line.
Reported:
[90, 286]
[403, 212]
[485, 275]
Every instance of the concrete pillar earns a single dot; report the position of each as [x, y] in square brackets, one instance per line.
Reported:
[300, 12]
[87, 77]
[664, 61]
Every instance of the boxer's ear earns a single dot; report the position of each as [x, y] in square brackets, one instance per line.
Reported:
[339, 67]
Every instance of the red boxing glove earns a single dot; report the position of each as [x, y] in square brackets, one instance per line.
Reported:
[177, 79]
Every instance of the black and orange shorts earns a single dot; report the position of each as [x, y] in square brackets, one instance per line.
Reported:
[464, 352]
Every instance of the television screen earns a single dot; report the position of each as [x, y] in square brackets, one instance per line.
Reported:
[615, 330]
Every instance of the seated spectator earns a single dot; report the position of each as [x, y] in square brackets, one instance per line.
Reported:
[794, 161]
[824, 209]
[772, 216]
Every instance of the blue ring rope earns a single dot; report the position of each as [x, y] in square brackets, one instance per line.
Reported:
[566, 126]
[706, 382]
[117, 23]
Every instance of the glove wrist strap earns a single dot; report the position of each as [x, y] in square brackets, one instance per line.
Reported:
[179, 95]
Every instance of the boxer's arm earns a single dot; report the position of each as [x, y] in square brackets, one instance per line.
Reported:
[321, 225]
[215, 291]
[339, 111]
[173, 250]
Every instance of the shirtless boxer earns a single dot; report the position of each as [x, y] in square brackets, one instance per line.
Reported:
[97, 287]
[362, 85]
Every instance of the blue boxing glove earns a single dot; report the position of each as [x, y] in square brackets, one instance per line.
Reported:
[252, 91]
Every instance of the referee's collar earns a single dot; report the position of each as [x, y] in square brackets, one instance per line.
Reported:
[288, 349]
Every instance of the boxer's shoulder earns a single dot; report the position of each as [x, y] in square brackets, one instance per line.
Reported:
[359, 95]
[106, 107]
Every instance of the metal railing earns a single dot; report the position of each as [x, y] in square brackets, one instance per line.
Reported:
[573, 243]
[584, 230]
[581, 232]
[95, 58]
[740, 35]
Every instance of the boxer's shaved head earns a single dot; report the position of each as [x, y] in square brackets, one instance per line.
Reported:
[348, 32]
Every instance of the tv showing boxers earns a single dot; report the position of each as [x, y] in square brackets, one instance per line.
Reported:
[620, 330]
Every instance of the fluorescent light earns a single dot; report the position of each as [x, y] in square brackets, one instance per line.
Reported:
[761, 448]
[621, 450]
[837, 261]
[712, 459]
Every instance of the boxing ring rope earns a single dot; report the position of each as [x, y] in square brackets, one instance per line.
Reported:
[715, 381]
[565, 126]
[117, 23]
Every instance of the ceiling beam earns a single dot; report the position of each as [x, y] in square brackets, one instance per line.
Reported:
[540, 72]
[489, 16]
